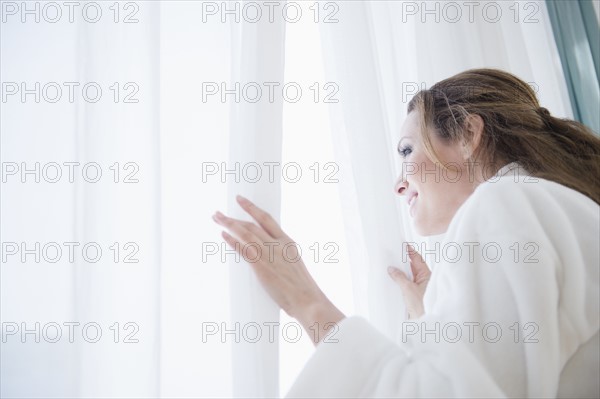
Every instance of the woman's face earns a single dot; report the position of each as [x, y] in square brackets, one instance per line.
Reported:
[433, 194]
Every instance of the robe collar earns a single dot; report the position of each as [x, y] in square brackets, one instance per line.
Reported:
[514, 168]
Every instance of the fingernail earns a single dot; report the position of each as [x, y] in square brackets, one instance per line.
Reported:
[391, 269]
[219, 215]
[241, 199]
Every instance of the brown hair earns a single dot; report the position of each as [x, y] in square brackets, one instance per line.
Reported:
[516, 128]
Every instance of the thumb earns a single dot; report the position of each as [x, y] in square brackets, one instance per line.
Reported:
[398, 276]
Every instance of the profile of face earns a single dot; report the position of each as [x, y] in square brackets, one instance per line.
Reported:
[432, 193]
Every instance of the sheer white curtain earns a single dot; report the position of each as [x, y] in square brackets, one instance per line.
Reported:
[255, 138]
[381, 53]
[156, 135]
[165, 142]
[86, 214]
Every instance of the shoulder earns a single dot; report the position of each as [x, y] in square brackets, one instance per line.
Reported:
[535, 190]
[531, 222]
[520, 200]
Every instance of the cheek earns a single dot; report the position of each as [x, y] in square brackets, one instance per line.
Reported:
[427, 176]
[433, 210]
[418, 165]
[433, 193]
[442, 189]
[441, 186]
[438, 194]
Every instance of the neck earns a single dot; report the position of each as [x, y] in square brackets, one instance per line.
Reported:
[480, 174]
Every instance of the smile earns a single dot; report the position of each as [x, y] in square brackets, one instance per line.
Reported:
[411, 202]
[411, 198]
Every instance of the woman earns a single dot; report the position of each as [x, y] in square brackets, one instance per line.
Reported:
[515, 310]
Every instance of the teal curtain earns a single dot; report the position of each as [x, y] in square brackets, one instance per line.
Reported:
[575, 27]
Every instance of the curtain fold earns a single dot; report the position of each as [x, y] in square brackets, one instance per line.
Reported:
[255, 140]
[30, 291]
[123, 136]
[95, 290]
[194, 142]
[361, 136]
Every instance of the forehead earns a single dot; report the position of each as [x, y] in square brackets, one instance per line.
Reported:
[410, 127]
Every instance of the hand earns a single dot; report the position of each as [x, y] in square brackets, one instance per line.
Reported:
[412, 290]
[273, 256]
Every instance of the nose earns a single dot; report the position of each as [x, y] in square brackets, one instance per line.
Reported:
[401, 186]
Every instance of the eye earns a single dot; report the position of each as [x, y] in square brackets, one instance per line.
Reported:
[405, 151]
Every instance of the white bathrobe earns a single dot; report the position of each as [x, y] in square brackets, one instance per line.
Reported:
[526, 307]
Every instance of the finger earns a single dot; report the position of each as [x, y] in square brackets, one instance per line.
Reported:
[252, 227]
[258, 231]
[264, 219]
[398, 276]
[233, 225]
[417, 263]
[249, 253]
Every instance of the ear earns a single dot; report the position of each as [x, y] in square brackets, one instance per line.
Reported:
[474, 125]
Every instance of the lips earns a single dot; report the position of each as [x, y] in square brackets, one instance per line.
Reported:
[411, 197]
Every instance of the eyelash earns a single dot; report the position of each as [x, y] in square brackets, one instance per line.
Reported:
[405, 151]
